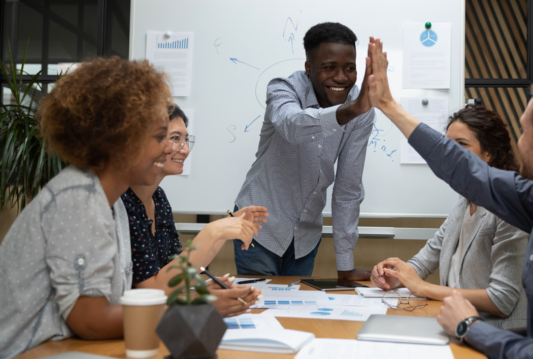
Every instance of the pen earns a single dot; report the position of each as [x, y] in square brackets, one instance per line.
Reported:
[217, 281]
[293, 283]
[251, 281]
[231, 215]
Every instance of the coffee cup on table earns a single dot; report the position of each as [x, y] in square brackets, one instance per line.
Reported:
[143, 309]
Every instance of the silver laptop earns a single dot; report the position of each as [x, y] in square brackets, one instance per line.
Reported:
[403, 329]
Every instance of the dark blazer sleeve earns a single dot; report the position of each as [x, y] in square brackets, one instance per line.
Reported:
[502, 343]
[504, 193]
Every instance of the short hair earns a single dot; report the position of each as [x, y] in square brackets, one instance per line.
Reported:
[332, 32]
[491, 132]
[174, 111]
[104, 109]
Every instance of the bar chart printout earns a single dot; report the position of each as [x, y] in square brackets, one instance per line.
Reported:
[172, 53]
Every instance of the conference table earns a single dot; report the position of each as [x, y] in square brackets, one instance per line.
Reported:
[322, 328]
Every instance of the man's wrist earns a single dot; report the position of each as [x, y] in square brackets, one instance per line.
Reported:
[391, 108]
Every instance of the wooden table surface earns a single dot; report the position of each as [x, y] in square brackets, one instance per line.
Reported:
[322, 328]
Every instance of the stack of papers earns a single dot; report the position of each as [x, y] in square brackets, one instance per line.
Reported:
[282, 341]
[357, 300]
[276, 297]
[352, 313]
[349, 348]
[252, 321]
[380, 293]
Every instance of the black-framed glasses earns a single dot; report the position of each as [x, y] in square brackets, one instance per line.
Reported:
[179, 141]
[410, 303]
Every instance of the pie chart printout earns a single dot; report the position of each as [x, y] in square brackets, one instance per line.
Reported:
[428, 38]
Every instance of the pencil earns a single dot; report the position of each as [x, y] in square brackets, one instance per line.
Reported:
[217, 281]
[231, 215]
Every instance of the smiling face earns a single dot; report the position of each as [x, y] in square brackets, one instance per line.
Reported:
[331, 69]
[150, 164]
[525, 142]
[461, 133]
[176, 159]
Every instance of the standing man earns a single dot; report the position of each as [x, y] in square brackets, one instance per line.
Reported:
[313, 119]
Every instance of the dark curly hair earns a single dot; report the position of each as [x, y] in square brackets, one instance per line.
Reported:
[104, 109]
[174, 111]
[491, 132]
[331, 32]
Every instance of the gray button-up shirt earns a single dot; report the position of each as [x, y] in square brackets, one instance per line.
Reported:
[64, 244]
[295, 164]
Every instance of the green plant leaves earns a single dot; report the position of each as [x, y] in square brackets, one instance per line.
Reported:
[204, 299]
[25, 164]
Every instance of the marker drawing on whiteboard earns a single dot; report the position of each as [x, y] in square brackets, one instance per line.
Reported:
[239, 61]
[229, 128]
[374, 140]
[390, 155]
[290, 33]
[246, 128]
[216, 44]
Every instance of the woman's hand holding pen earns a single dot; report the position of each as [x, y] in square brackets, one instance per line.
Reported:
[227, 303]
[259, 215]
[240, 227]
[382, 280]
[405, 273]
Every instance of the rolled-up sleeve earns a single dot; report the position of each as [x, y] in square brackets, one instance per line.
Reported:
[507, 258]
[348, 191]
[80, 249]
[293, 122]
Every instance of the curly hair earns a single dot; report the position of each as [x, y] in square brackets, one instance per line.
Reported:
[331, 32]
[104, 109]
[492, 134]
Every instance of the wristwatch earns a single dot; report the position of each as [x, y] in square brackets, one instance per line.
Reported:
[463, 326]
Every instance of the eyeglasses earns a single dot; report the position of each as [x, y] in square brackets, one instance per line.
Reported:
[179, 141]
[412, 302]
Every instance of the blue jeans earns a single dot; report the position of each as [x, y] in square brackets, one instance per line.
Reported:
[260, 261]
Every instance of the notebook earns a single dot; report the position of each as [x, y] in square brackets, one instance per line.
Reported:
[380, 293]
[403, 329]
[278, 341]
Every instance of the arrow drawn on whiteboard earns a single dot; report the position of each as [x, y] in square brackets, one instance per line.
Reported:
[244, 63]
[217, 45]
[246, 128]
[291, 40]
[232, 127]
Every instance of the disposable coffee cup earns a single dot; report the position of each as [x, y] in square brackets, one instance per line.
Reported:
[143, 309]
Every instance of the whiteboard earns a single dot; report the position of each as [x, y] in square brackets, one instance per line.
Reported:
[266, 39]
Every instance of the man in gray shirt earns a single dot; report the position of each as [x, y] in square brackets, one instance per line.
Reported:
[313, 119]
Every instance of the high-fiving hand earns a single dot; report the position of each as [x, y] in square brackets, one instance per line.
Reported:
[379, 92]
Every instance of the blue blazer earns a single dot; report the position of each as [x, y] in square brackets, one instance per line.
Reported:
[504, 193]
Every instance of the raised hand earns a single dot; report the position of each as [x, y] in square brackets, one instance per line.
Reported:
[379, 92]
[235, 228]
[362, 103]
[259, 215]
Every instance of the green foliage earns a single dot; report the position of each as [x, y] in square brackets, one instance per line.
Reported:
[25, 165]
[186, 277]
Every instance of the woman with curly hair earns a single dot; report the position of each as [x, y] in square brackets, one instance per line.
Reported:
[478, 254]
[66, 260]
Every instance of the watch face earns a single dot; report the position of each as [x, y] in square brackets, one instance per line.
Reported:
[461, 329]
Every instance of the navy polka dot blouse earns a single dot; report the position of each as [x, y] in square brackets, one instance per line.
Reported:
[150, 253]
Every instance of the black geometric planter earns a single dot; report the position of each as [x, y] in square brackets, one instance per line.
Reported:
[191, 331]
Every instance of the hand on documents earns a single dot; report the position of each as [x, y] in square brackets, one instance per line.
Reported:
[227, 303]
[454, 309]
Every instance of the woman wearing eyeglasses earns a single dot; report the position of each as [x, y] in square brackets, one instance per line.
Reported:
[154, 237]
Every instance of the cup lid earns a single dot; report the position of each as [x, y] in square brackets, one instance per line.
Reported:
[143, 297]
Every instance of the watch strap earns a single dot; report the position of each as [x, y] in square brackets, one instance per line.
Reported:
[469, 321]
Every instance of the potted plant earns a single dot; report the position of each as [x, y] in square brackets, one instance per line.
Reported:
[191, 327]
[25, 165]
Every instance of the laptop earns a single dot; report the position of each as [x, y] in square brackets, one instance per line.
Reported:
[403, 329]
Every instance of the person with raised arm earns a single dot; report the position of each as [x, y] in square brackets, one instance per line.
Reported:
[507, 194]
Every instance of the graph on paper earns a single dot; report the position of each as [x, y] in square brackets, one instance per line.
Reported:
[177, 44]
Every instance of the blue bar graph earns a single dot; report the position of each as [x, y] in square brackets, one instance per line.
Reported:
[178, 44]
